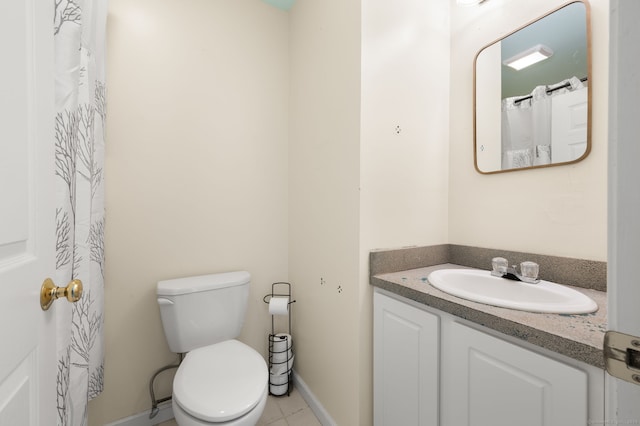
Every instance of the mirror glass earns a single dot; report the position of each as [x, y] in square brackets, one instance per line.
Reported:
[535, 114]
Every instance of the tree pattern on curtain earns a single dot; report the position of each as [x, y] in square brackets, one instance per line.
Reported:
[79, 27]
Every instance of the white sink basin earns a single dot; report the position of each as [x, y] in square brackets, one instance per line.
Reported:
[480, 286]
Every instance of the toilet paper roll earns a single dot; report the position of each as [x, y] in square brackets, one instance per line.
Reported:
[282, 342]
[278, 384]
[281, 349]
[279, 369]
[279, 306]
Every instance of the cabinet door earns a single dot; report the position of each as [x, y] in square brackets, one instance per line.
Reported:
[406, 354]
[491, 382]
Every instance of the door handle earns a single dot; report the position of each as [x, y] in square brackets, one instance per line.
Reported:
[49, 292]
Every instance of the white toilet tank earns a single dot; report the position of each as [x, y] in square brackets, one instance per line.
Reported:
[203, 310]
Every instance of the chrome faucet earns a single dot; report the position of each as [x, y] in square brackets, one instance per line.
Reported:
[528, 270]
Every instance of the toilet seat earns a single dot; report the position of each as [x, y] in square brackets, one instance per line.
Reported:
[220, 382]
[252, 418]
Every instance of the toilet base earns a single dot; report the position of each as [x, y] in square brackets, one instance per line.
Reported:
[249, 419]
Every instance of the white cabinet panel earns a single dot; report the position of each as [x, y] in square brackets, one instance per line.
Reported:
[406, 350]
[491, 382]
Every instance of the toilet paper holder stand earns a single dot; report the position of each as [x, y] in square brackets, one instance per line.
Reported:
[280, 385]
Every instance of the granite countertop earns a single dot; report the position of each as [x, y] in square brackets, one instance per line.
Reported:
[577, 336]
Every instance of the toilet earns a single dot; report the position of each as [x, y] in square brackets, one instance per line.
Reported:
[221, 381]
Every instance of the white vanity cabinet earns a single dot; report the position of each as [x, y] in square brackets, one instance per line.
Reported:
[405, 364]
[433, 368]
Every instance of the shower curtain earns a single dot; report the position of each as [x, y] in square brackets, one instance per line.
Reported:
[79, 29]
[526, 125]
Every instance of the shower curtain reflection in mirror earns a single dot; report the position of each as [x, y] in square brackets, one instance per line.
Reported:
[547, 126]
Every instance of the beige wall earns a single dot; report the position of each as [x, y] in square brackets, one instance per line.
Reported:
[405, 130]
[350, 192]
[196, 166]
[324, 201]
[404, 150]
[557, 211]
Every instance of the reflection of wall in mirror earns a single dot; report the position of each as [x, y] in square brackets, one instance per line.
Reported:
[562, 31]
[489, 110]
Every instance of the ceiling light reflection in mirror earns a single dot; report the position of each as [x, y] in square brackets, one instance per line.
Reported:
[531, 56]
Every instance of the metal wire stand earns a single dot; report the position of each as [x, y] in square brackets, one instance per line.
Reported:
[280, 360]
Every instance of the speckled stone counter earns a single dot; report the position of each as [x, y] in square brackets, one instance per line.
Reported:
[577, 336]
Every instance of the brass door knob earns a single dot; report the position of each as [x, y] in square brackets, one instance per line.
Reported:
[49, 292]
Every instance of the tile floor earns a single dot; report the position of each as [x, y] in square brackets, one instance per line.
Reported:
[289, 410]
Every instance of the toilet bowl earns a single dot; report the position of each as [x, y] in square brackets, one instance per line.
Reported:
[221, 381]
[221, 384]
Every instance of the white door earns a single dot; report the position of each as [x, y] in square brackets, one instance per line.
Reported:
[569, 125]
[27, 226]
[623, 402]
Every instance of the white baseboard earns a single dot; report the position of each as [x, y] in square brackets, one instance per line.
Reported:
[321, 414]
[142, 419]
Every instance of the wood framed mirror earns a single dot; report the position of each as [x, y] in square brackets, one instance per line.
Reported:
[532, 96]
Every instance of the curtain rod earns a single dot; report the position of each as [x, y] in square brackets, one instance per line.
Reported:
[549, 91]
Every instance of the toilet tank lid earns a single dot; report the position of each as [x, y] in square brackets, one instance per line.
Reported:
[202, 283]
